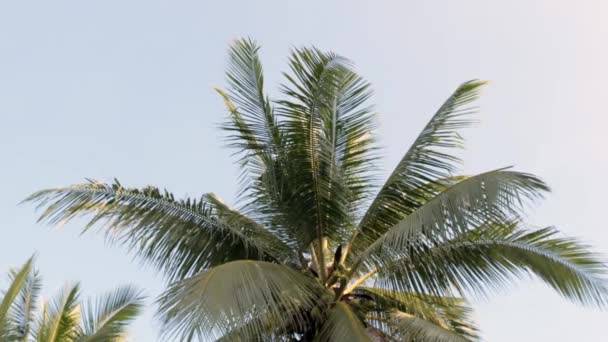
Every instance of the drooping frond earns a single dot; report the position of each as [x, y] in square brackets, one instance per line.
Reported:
[24, 308]
[449, 313]
[409, 328]
[497, 196]
[18, 281]
[428, 160]
[181, 237]
[234, 295]
[61, 318]
[234, 218]
[492, 255]
[106, 319]
[342, 324]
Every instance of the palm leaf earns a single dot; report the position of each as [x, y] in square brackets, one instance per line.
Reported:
[449, 313]
[410, 184]
[498, 195]
[233, 295]
[24, 308]
[410, 328]
[181, 237]
[60, 320]
[325, 170]
[107, 318]
[488, 257]
[19, 280]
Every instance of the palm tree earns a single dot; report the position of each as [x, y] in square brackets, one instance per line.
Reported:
[317, 251]
[63, 319]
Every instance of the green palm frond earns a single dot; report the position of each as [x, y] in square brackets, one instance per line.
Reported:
[61, 318]
[181, 237]
[23, 309]
[232, 217]
[498, 195]
[343, 324]
[409, 328]
[106, 319]
[449, 313]
[252, 118]
[490, 256]
[19, 280]
[233, 295]
[410, 184]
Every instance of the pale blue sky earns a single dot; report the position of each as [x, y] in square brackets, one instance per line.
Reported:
[109, 88]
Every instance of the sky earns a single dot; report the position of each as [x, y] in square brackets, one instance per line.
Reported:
[104, 89]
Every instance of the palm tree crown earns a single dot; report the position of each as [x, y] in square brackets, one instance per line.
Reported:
[63, 319]
[316, 251]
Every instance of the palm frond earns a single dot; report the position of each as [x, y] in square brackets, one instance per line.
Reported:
[23, 309]
[343, 324]
[410, 328]
[18, 281]
[180, 237]
[411, 183]
[107, 318]
[60, 320]
[498, 195]
[234, 218]
[233, 295]
[252, 118]
[449, 313]
[252, 125]
[329, 131]
[492, 255]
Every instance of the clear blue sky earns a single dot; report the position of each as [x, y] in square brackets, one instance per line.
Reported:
[105, 89]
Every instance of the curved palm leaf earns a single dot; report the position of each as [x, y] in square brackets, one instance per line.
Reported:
[23, 309]
[488, 257]
[409, 328]
[107, 318]
[19, 281]
[181, 237]
[233, 295]
[448, 313]
[496, 195]
[60, 321]
[410, 184]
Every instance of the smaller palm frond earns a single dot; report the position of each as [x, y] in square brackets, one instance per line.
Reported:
[180, 237]
[107, 318]
[490, 256]
[409, 328]
[19, 280]
[61, 318]
[449, 313]
[24, 308]
[234, 295]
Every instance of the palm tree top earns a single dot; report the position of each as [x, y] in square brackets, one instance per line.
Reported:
[318, 251]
